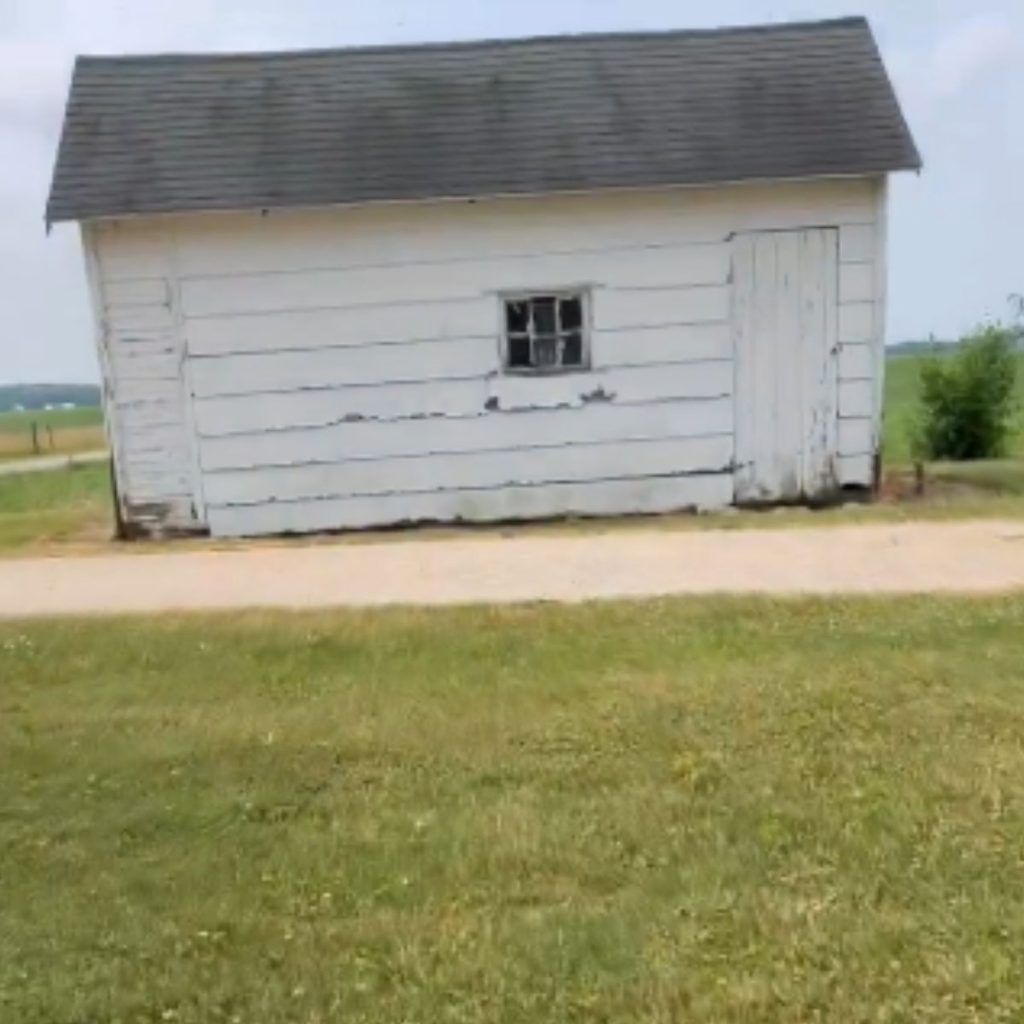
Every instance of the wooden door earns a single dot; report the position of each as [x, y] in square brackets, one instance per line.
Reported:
[785, 324]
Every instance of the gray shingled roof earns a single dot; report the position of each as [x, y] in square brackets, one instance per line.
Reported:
[172, 133]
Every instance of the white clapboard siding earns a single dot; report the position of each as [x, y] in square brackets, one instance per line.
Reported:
[142, 318]
[681, 343]
[857, 323]
[133, 292]
[357, 326]
[248, 414]
[856, 470]
[705, 264]
[153, 393]
[623, 384]
[856, 436]
[254, 413]
[595, 498]
[856, 362]
[491, 431]
[242, 243]
[856, 399]
[857, 243]
[856, 283]
[266, 370]
[147, 291]
[470, 470]
[656, 307]
[319, 368]
[130, 250]
[150, 365]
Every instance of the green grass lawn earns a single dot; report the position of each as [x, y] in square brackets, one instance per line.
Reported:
[69, 430]
[728, 811]
[58, 506]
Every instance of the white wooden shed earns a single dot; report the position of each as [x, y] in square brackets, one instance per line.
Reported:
[487, 281]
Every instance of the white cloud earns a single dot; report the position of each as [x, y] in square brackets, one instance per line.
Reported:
[947, 65]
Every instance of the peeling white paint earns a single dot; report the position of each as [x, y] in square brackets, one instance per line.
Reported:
[340, 368]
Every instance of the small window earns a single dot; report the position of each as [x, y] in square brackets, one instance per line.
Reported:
[545, 333]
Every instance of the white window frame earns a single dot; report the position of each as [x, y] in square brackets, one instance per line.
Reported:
[580, 292]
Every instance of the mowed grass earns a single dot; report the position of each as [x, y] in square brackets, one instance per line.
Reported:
[727, 811]
[62, 506]
[58, 431]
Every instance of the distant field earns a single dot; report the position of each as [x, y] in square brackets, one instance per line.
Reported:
[901, 389]
[58, 431]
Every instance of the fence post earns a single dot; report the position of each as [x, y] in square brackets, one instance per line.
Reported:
[35, 438]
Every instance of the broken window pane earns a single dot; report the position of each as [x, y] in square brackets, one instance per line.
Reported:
[572, 349]
[545, 352]
[517, 317]
[571, 313]
[544, 316]
[545, 333]
[519, 350]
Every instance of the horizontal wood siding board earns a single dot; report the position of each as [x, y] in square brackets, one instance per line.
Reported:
[656, 307]
[598, 498]
[857, 243]
[657, 382]
[252, 375]
[678, 266]
[360, 236]
[856, 436]
[856, 399]
[247, 413]
[485, 431]
[856, 362]
[856, 470]
[149, 291]
[145, 318]
[857, 323]
[313, 329]
[471, 470]
[638, 346]
[856, 282]
[318, 368]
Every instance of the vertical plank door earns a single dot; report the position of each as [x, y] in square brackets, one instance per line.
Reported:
[785, 326]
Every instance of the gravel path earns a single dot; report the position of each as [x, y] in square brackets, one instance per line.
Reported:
[977, 557]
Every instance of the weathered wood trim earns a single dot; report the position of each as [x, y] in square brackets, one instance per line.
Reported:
[108, 377]
[471, 471]
[507, 504]
[881, 304]
[185, 375]
[495, 432]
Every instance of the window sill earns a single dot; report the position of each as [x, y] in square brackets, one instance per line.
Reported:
[562, 371]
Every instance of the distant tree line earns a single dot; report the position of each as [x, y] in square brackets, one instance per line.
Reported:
[38, 396]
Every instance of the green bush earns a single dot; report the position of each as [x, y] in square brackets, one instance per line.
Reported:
[967, 398]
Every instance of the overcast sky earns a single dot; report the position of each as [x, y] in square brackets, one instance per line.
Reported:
[957, 231]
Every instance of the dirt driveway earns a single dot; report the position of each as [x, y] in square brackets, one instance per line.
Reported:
[903, 558]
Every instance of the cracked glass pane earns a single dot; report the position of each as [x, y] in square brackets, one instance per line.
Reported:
[545, 352]
[572, 349]
[517, 317]
[544, 316]
[519, 351]
[571, 313]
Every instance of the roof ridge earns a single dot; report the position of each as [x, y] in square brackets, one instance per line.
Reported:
[486, 43]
